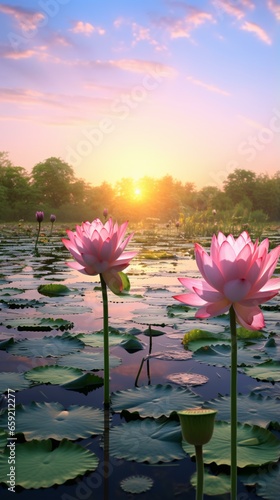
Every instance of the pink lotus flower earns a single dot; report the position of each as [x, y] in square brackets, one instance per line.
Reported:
[99, 249]
[236, 273]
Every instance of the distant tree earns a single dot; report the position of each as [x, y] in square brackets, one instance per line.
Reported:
[14, 190]
[240, 185]
[51, 182]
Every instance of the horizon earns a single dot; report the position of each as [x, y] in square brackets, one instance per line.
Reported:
[150, 89]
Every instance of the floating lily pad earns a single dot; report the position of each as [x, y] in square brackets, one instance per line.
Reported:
[38, 324]
[132, 345]
[154, 400]
[255, 446]
[85, 380]
[266, 482]
[10, 291]
[52, 374]
[252, 409]
[185, 379]
[220, 355]
[6, 343]
[39, 465]
[151, 332]
[97, 339]
[22, 303]
[12, 380]
[54, 290]
[136, 484]
[88, 361]
[213, 485]
[147, 441]
[269, 370]
[46, 347]
[53, 420]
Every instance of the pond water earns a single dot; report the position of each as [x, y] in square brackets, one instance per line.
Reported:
[150, 303]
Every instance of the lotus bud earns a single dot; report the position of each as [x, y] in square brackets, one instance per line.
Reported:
[40, 216]
[52, 218]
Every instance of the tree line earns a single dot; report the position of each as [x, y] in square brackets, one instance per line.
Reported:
[53, 188]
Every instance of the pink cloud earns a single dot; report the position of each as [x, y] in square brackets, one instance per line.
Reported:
[140, 66]
[28, 20]
[257, 30]
[86, 29]
[274, 7]
[207, 86]
[183, 27]
[232, 8]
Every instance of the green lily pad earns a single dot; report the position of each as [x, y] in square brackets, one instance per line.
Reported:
[6, 343]
[269, 370]
[52, 420]
[22, 303]
[88, 361]
[154, 401]
[266, 482]
[85, 380]
[220, 355]
[255, 446]
[147, 440]
[132, 345]
[52, 374]
[252, 408]
[46, 347]
[97, 339]
[213, 485]
[39, 465]
[53, 290]
[38, 324]
[10, 291]
[207, 337]
[136, 484]
[12, 380]
[151, 332]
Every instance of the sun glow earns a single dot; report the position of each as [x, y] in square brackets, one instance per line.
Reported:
[137, 192]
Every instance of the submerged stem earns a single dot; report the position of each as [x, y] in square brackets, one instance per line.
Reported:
[105, 342]
[233, 403]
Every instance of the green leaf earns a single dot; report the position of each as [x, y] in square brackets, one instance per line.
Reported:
[255, 446]
[88, 361]
[46, 347]
[252, 409]
[38, 465]
[38, 324]
[53, 420]
[97, 339]
[266, 482]
[52, 374]
[213, 485]
[220, 355]
[12, 380]
[147, 441]
[151, 332]
[154, 401]
[269, 370]
[53, 290]
[85, 380]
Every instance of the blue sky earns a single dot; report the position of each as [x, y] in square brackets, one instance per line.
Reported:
[135, 88]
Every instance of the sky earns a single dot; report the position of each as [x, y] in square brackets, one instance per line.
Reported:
[135, 88]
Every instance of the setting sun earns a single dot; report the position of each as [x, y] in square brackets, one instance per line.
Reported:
[137, 192]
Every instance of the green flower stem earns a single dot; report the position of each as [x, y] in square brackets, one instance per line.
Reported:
[105, 342]
[38, 233]
[233, 403]
[199, 471]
